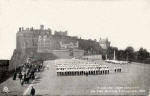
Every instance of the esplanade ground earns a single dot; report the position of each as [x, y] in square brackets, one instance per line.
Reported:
[133, 80]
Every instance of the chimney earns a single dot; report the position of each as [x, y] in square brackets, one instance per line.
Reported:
[42, 27]
[20, 29]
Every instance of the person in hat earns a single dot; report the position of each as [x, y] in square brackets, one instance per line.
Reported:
[32, 93]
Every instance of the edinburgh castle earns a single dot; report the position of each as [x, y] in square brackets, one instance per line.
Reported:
[41, 44]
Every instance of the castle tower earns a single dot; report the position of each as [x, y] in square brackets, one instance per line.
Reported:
[104, 44]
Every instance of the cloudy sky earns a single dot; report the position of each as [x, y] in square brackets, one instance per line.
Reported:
[124, 22]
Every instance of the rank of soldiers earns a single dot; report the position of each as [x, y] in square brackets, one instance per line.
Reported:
[82, 67]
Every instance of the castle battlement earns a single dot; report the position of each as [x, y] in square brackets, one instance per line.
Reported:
[41, 31]
[33, 29]
[44, 39]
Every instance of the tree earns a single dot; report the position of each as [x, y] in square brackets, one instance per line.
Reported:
[121, 55]
[129, 53]
[142, 54]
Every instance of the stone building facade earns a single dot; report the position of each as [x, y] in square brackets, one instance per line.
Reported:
[42, 44]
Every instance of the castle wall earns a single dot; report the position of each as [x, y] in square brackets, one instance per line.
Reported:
[20, 44]
[68, 53]
[62, 53]
[41, 44]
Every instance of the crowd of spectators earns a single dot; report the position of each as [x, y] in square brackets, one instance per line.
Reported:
[26, 72]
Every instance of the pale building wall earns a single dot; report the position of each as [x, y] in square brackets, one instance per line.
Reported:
[62, 53]
[78, 53]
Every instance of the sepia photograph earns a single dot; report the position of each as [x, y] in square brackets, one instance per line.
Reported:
[74, 48]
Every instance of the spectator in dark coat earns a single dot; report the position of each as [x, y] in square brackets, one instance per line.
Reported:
[14, 77]
[32, 93]
[20, 76]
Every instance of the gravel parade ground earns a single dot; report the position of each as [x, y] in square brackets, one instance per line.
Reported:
[133, 80]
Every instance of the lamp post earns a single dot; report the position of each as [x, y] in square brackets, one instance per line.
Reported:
[114, 55]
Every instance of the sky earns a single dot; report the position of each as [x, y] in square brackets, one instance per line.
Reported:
[123, 22]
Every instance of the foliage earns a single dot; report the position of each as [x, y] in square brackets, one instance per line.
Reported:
[142, 54]
[129, 54]
[90, 46]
